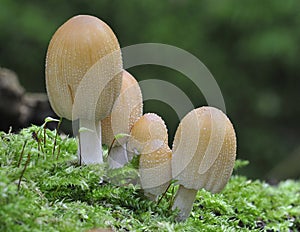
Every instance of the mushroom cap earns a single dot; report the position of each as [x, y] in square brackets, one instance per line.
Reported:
[127, 109]
[81, 49]
[148, 134]
[155, 170]
[204, 150]
[156, 158]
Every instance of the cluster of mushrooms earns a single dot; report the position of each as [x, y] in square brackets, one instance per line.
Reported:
[86, 83]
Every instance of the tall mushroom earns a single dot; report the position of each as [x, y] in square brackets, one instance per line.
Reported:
[127, 109]
[83, 78]
[204, 151]
[149, 138]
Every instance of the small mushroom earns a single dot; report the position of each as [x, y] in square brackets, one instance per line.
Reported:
[155, 171]
[127, 109]
[204, 151]
[149, 138]
[83, 78]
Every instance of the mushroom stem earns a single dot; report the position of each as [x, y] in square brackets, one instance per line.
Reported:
[184, 200]
[117, 157]
[90, 147]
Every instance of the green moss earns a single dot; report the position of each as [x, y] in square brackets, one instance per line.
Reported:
[55, 194]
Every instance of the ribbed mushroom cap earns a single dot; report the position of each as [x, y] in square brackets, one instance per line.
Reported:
[75, 52]
[155, 170]
[219, 173]
[204, 150]
[127, 109]
[148, 134]
[156, 158]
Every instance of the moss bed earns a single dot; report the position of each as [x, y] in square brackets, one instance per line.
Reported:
[42, 188]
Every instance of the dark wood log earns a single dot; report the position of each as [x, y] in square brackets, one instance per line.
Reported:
[19, 109]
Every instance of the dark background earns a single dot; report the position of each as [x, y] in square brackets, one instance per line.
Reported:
[251, 48]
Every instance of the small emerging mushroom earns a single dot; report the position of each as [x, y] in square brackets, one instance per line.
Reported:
[127, 109]
[204, 151]
[83, 78]
[155, 171]
[149, 138]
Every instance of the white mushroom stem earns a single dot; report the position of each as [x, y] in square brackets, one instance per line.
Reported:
[184, 200]
[117, 157]
[90, 147]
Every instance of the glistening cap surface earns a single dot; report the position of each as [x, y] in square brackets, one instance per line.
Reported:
[148, 134]
[76, 51]
[127, 109]
[204, 150]
[155, 170]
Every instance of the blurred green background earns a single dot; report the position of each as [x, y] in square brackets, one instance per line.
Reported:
[251, 48]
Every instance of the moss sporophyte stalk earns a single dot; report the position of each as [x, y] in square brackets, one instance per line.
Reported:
[59, 195]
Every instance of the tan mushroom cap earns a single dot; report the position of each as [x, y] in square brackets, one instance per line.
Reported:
[204, 150]
[127, 109]
[219, 173]
[148, 134]
[149, 138]
[74, 50]
[155, 170]
[156, 158]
